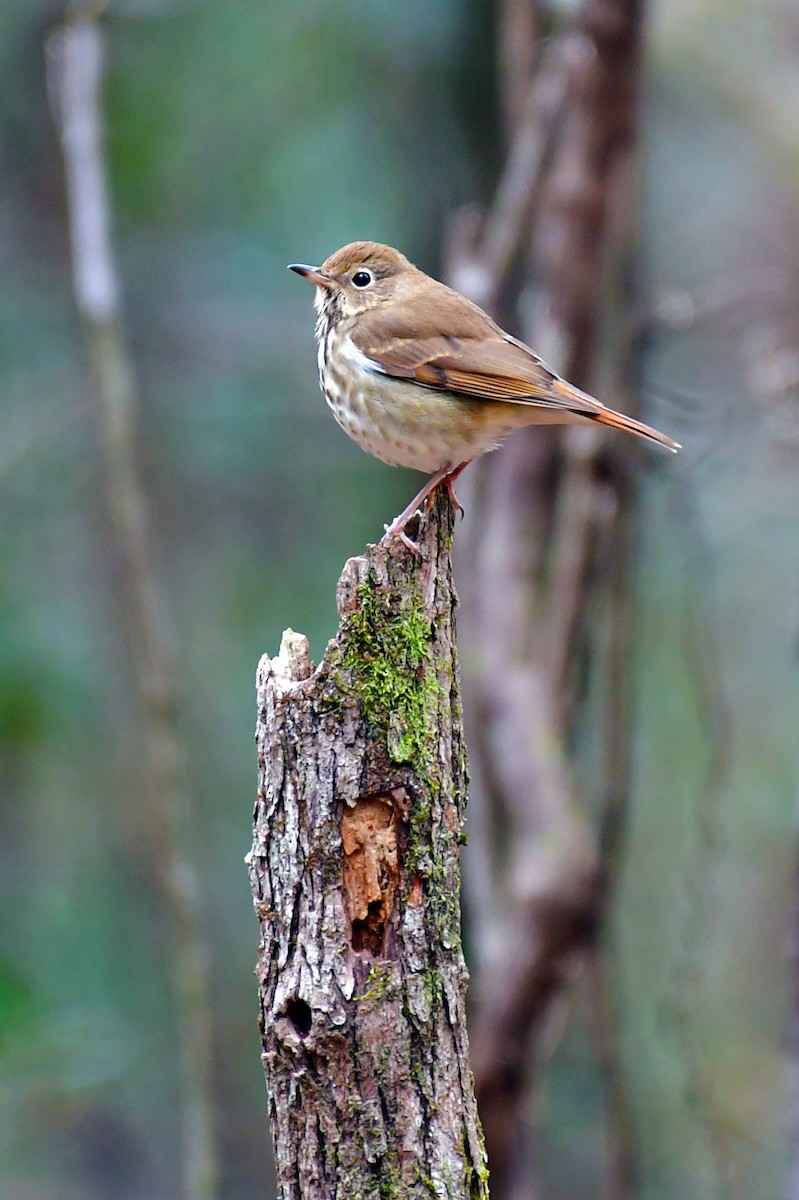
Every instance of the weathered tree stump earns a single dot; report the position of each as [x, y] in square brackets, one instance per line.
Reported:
[355, 874]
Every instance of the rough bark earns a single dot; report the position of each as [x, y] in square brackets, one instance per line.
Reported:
[355, 875]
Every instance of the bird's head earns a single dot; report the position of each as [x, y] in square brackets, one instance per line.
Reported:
[357, 277]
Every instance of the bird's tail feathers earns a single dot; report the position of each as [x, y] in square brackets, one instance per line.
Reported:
[588, 407]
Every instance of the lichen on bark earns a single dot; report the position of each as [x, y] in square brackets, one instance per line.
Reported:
[354, 870]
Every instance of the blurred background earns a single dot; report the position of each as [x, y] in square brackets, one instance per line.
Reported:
[242, 136]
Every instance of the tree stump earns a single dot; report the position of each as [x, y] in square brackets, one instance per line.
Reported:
[355, 874]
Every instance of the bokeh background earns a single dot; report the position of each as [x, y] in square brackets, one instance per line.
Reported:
[242, 136]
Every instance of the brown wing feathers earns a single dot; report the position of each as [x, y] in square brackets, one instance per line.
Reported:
[483, 363]
[477, 359]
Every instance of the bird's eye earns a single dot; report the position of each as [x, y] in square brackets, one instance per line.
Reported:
[362, 279]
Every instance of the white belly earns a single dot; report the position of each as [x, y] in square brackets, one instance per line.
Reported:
[403, 423]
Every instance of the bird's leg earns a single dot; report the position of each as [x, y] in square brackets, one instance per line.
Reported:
[449, 483]
[447, 476]
[397, 526]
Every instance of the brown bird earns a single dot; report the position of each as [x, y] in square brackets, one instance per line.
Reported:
[421, 377]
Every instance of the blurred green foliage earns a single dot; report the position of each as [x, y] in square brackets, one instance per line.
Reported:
[243, 136]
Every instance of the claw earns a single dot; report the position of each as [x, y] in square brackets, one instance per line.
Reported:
[413, 546]
[400, 533]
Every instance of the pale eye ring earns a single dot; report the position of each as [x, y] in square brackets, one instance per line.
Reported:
[362, 278]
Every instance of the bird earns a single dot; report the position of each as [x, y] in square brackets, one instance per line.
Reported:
[421, 377]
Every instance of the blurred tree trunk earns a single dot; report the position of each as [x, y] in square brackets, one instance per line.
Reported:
[355, 874]
[547, 570]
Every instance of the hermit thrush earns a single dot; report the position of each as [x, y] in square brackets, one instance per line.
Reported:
[421, 377]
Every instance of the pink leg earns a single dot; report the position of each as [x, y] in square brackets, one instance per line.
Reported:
[446, 475]
[449, 480]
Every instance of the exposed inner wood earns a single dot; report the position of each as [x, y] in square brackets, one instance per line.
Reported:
[371, 869]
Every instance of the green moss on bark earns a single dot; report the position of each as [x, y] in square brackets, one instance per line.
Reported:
[388, 667]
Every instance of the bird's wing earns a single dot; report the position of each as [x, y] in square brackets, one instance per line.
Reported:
[475, 359]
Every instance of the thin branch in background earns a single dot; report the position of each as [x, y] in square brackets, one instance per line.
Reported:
[75, 68]
[518, 41]
[484, 251]
[622, 1173]
[734, 301]
[577, 521]
[682, 309]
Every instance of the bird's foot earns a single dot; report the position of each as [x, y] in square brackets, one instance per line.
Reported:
[447, 476]
[391, 532]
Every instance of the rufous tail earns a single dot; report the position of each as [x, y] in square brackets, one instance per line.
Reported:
[595, 411]
[607, 416]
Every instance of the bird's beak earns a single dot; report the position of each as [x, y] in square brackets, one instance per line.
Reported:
[313, 273]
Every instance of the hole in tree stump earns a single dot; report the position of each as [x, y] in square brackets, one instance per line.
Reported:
[371, 868]
[368, 932]
[300, 1015]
